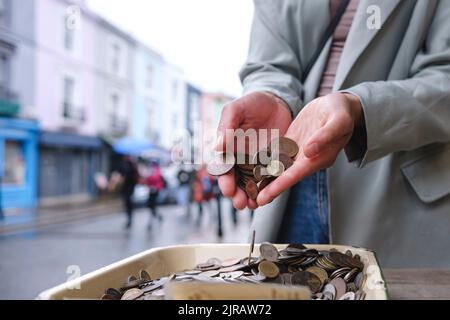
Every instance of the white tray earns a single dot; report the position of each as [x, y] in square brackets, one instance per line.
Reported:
[160, 262]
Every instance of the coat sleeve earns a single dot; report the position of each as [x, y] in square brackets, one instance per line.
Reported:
[273, 64]
[407, 114]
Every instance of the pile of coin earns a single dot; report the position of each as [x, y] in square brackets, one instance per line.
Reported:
[255, 172]
[329, 274]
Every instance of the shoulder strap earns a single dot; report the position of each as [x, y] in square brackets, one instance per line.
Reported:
[328, 33]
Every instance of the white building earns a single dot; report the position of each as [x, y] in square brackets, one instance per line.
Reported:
[173, 116]
[114, 87]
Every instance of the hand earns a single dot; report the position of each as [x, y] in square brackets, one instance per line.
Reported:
[322, 129]
[259, 110]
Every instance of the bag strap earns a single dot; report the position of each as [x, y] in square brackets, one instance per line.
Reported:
[328, 33]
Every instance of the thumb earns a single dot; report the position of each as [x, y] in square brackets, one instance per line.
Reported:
[334, 132]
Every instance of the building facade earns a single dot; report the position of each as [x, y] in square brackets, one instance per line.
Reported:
[148, 94]
[65, 101]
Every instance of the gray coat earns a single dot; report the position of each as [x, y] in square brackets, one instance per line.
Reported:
[392, 195]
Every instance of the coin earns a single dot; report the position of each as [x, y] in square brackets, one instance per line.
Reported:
[284, 145]
[304, 278]
[259, 172]
[158, 293]
[319, 272]
[231, 275]
[268, 269]
[208, 266]
[192, 272]
[144, 275]
[331, 290]
[113, 292]
[348, 296]
[211, 273]
[340, 285]
[264, 183]
[343, 260]
[132, 294]
[268, 252]
[262, 157]
[251, 189]
[275, 168]
[132, 284]
[232, 268]
[230, 262]
[221, 164]
[351, 275]
[285, 160]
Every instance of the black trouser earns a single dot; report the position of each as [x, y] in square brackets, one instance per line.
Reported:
[152, 202]
[128, 203]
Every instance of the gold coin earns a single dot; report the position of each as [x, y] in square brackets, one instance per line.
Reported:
[268, 269]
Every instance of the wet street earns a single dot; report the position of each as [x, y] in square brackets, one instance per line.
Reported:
[38, 260]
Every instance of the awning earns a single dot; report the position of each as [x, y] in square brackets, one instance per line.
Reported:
[69, 140]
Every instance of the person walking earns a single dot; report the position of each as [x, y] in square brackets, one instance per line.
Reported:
[155, 183]
[130, 177]
[185, 178]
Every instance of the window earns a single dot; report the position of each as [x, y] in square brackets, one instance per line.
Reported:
[150, 75]
[115, 100]
[14, 164]
[68, 95]
[69, 35]
[115, 58]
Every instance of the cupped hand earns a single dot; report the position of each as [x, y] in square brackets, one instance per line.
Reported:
[322, 129]
[258, 110]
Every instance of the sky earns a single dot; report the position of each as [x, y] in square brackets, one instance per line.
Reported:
[208, 39]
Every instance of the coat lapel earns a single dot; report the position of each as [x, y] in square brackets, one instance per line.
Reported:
[360, 36]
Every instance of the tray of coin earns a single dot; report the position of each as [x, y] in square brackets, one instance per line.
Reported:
[318, 272]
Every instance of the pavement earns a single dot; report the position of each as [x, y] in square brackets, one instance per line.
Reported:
[39, 258]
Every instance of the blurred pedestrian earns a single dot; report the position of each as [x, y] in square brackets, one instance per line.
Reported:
[185, 184]
[203, 190]
[130, 177]
[155, 183]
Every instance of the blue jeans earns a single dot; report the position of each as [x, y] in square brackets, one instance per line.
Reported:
[306, 216]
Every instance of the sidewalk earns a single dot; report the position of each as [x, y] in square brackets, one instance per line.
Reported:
[32, 219]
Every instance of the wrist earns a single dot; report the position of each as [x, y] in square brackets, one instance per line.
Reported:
[282, 104]
[356, 109]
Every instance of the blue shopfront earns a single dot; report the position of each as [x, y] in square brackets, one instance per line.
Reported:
[18, 163]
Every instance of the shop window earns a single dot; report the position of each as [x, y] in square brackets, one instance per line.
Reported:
[14, 168]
